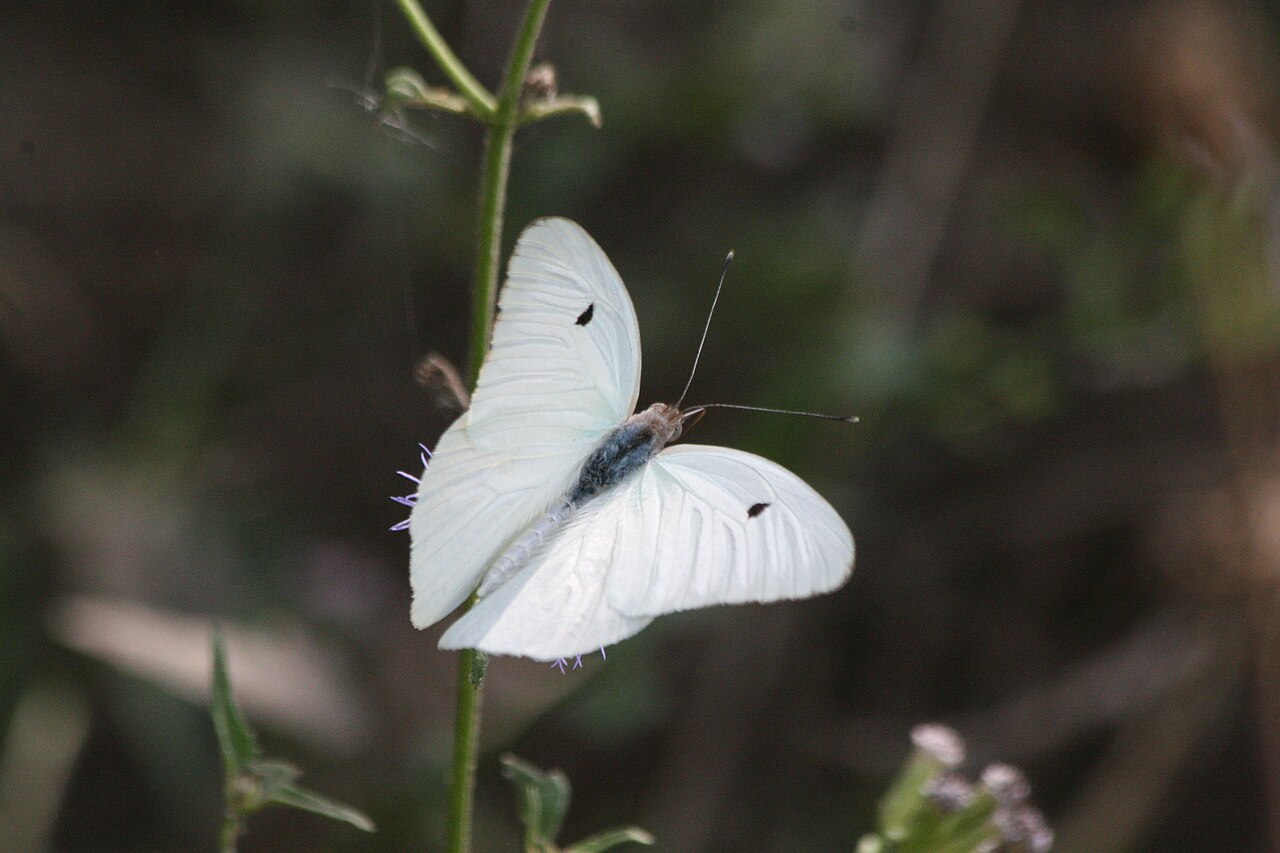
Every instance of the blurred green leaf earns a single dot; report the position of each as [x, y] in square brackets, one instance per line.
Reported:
[236, 739]
[611, 838]
[273, 775]
[253, 782]
[967, 830]
[404, 86]
[903, 802]
[300, 798]
[584, 105]
[544, 800]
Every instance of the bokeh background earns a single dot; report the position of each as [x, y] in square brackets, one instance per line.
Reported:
[1033, 243]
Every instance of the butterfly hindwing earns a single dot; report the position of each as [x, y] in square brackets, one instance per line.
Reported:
[713, 525]
[556, 606]
[563, 370]
[696, 526]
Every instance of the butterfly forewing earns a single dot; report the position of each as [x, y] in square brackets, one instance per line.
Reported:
[571, 380]
[550, 389]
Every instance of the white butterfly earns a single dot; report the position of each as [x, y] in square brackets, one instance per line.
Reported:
[566, 511]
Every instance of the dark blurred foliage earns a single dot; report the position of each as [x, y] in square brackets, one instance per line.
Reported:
[1032, 244]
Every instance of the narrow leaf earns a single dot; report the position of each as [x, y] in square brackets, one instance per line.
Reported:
[970, 829]
[301, 798]
[404, 85]
[611, 838]
[544, 800]
[236, 739]
[406, 88]
[584, 105]
[272, 775]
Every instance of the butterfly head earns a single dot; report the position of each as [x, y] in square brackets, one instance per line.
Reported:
[691, 416]
[664, 420]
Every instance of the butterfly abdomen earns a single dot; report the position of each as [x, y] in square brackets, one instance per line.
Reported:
[623, 451]
[518, 553]
[626, 449]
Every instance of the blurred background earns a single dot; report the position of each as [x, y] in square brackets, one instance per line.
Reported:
[1033, 244]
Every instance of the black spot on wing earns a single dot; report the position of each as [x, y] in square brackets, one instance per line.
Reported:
[585, 317]
[755, 509]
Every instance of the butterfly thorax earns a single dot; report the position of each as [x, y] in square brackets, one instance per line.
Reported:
[624, 450]
[627, 448]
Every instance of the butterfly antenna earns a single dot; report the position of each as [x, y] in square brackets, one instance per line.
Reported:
[848, 419]
[723, 272]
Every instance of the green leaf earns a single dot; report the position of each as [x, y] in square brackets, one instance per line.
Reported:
[902, 804]
[405, 88]
[932, 831]
[583, 105]
[611, 838]
[969, 829]
[273, 775]
[301, 798]
[544, 800]
[236, 739]
[404, 85]
[252, 781]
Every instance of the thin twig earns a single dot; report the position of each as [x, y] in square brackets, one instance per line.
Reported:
[482, 102]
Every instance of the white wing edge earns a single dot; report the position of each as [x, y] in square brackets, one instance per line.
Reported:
[556, 606]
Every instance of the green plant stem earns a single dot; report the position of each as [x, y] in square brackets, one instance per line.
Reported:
[482, 103]
[230, 832]
[466, 742]
[493, 200]
[493, 190]
[493, 197]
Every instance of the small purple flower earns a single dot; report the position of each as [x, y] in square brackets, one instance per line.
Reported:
[410, 500]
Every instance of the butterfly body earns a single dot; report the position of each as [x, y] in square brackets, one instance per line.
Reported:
[627, 448]
[624, 451]
[576, 521]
